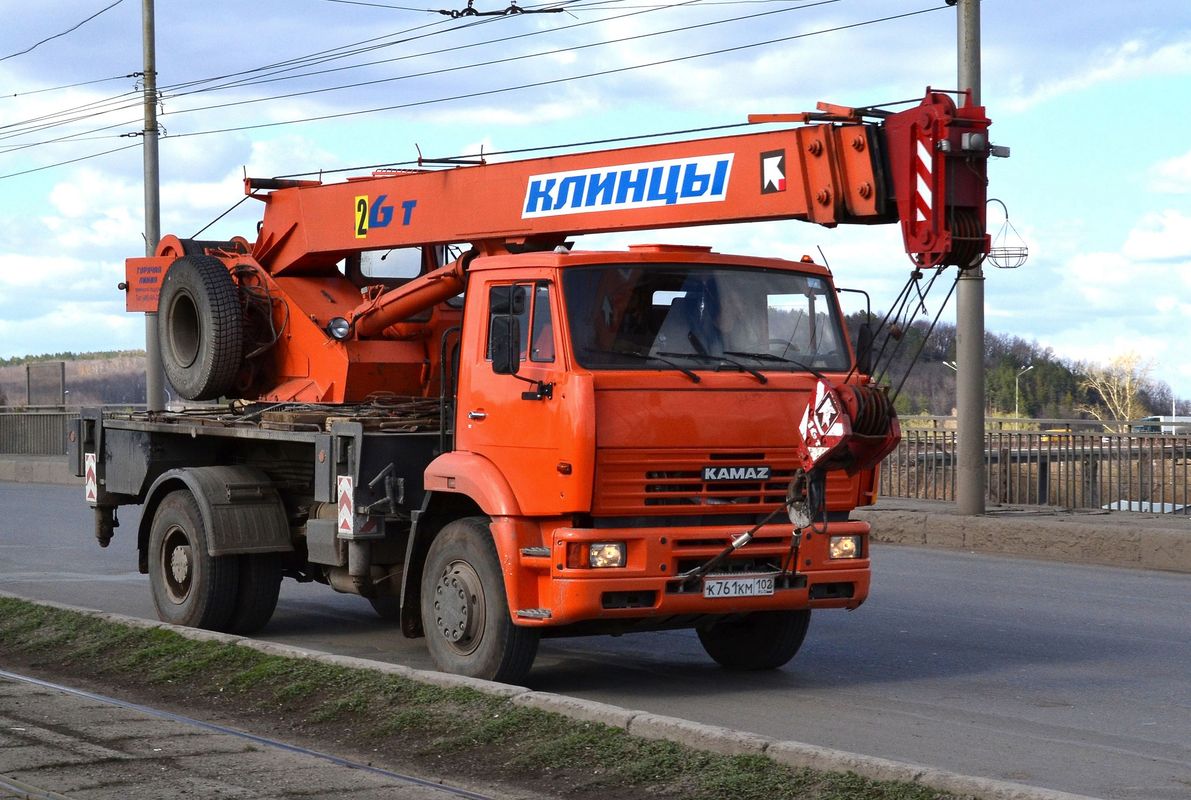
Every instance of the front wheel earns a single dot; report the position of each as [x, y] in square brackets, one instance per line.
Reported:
[760, 640]
[190, 586]
[465, 610]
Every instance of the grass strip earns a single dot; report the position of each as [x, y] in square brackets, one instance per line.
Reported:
[479, 736]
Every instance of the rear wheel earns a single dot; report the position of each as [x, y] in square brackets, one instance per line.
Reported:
[465, 610]
[760, 640]
[190, 587]
[387, 607]
[256, 592]
[200, 325]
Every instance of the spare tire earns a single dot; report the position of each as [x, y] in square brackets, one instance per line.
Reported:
[200, 327]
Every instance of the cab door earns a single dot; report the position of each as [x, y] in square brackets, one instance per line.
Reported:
[537, 425]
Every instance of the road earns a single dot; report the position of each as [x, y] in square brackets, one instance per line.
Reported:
[1068, 677]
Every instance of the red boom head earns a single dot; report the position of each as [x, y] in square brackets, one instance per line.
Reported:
[939, 157]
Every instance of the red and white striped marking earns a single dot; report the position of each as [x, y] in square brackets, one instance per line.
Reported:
[90, 483]
[347, 514]
[923, 169]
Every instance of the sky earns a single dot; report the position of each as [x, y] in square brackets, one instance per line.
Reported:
[1093, 98]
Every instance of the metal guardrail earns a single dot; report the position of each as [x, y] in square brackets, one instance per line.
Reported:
[1126, 472]
[34, 432]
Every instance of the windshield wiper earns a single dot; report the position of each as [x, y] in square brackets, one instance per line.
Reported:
[637, 354]
[772, 357]
[720, 361]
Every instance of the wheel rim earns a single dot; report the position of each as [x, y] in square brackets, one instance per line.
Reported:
[459, 607]
[184, 330]
[177, 565]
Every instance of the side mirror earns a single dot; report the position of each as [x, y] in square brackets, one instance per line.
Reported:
[504, 338]
[864, 349]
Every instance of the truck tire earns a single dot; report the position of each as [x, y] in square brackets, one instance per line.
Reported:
[201, 328]
[760, 640]
[465, 609]
[190, 587]
[256, 592]
[387, 607]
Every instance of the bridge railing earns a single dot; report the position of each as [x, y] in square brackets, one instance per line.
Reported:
[1143, 472]
[1060, 465]
[34, 432]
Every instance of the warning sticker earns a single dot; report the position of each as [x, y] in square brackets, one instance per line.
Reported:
[773, 171]
[347, 514]
[90, 483]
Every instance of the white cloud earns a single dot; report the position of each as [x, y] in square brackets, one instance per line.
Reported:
[1162, 237]
[1131, 60]
[1172, 176]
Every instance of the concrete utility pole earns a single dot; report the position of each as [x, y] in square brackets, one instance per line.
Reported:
[154, 374]
[969, 316]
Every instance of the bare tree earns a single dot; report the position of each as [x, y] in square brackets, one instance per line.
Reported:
[1120, 387]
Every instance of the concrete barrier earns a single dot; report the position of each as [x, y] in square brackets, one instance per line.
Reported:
[1118, 539]
[36, 469]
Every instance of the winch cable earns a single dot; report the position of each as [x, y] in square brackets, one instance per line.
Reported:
[925, 338]
[904, 314]
[898, 303]
[738, 542]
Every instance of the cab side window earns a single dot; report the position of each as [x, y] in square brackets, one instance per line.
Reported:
[542, 339]
[530, 304]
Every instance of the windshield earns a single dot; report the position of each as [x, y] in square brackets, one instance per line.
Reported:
[702, 317]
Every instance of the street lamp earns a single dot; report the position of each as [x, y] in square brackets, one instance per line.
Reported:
[1017, 387]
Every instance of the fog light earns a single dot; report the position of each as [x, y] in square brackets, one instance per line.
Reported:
[339, 328]
[844, 547]
[605, 554]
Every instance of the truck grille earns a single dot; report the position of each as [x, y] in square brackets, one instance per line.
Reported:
[631, 482]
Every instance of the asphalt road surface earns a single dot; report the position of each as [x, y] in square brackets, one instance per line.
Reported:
[1062, 676]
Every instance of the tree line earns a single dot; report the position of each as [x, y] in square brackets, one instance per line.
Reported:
[1052, 387]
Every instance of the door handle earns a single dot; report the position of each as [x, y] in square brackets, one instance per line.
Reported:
[477, 415]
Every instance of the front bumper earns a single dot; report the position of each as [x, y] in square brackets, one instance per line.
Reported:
[549, 593]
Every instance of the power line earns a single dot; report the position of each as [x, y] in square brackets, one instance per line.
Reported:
[69, 161]
[503, 40]
[34, 46]
[79, 136]
[494, 62]
[555, 81]
[100, 107]
[70, 85]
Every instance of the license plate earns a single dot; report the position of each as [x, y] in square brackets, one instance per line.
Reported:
[748, 586]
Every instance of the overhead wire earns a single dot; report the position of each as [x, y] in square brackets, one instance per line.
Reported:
[75, 27]
[501, 40]
[69, 161]
[68, 86]
[469, 95]
[551, 81]
[494, 62]
[108, 105]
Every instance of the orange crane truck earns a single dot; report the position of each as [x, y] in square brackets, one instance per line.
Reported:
[507, 437]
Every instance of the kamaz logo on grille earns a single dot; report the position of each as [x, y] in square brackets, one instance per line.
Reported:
[679, 181]
[736, 473]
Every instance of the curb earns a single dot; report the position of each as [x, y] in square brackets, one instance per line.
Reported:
[1139, 542]
[37, 469]
[637, 723]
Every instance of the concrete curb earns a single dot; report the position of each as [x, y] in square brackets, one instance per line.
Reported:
[1118, 540]
[638, 723]
[37, 469]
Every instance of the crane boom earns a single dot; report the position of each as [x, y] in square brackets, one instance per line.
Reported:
[924, 167]
[842, 171]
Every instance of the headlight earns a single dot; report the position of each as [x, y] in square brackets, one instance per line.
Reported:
[605, 554]
[844, 547]
[339, 328]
